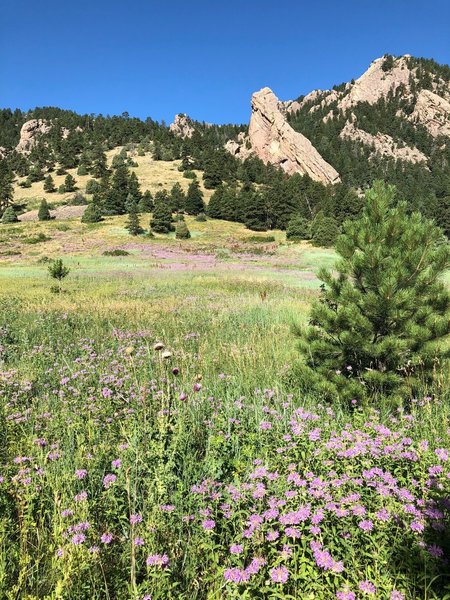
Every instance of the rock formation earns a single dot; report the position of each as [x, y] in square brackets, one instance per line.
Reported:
[376, 83]
[433, 112]
[182, 126]
[382, 144]
[30, 132]
[273, 140]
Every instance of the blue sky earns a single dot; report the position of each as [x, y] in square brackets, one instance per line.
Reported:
[202, 57]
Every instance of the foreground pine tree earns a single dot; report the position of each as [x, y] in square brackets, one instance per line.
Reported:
[374, 330]
[161, 221]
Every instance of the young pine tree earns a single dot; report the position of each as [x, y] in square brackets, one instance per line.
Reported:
[146, 202]
[44, 213]
[57, 270]
[374, 330]
[182, 231]
[162, 218]
[194, 199]
[9, 216]
[133, 225]
[92, 214]
[70, 183]
[49, 185]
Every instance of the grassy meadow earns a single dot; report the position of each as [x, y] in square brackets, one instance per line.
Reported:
[158, 442]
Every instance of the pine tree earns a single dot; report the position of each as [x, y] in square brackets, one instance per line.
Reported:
[70, 183]
[374, 330]
[194, 199]
[134, 189]
[182, 231]
[161, 221]
[298, 228]
[146, 203]
[215, 205]
[6, 185]
[44, 213]
[177, 198]
[49, 185]
[256, 213]
[9, 216]
[324, 230]
[99, 164]
[92, 214]
[57, 270]
[117, 194]
[133, 224]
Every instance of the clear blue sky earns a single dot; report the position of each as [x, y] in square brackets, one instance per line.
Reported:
[202, 57]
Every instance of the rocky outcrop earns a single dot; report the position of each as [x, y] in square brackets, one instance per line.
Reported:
[325, 97]
[376, 83]
[382, 144]
[272, 139]
[30, 133]
[241, 148]
[433, 112]
[3, 152]
[182, 126]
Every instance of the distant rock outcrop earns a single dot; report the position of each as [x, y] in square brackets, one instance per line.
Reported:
[272, 139]
[182, 126]
[30, 132]
[382, 144]
[433, 112]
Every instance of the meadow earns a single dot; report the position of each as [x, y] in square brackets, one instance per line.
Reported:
[158, 442]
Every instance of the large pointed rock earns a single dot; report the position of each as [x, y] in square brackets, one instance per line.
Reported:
[274, 141]
[30, 133]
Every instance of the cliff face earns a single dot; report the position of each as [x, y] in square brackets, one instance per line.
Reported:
[29, 134]
[182, 126]
[433, 112]
[272, 139]
[383, 144]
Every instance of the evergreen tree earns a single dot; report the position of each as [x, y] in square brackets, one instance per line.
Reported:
[256, 213]
[374, 330]
[92, 214]
[215, 205]
[70, 183]
[177, 198]
[298, 228]
[134, 188]
[324, 230]
[161, 221]
[194, 199]
[157, 151]
[99, 164]
[9, 216]
[212, 176]
[44, 212]
[146, 202]
[182, 231]
[82, 170]
[133, 224]
[117, 194]
[49, 185]
[6, 185]
[57, 270]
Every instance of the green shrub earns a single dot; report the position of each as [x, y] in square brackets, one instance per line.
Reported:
[116, 252]
[298, 228]
[182, 231]
[9, 216]
[44, 212]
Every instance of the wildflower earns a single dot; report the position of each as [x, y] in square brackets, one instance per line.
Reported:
[279, 574]
[108, 480]
[138, 541]
[116, 463]
[80, 473]
[197, 387]
[160, 560]
[442, 454]
[81, 497]
[136, 518]
[345, 595]
[395, 595]
[236, 549]
[265, 425]
[235, 575]
[175, 371]
[367, 587]
[208, 524]
[106, 538]
[417, 526]
[366, 525]
[78, 539]
[182, 396]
